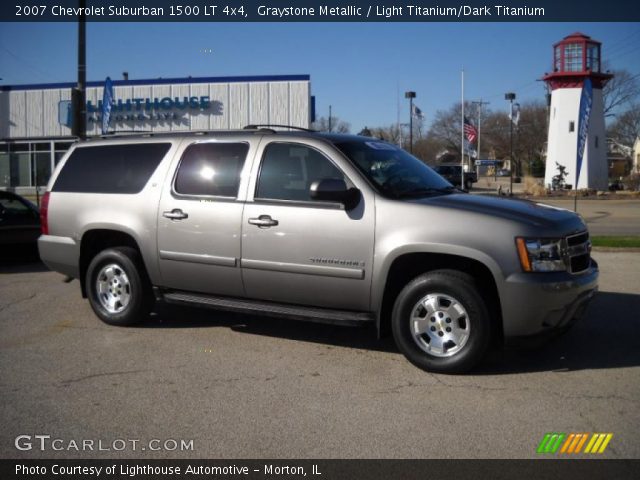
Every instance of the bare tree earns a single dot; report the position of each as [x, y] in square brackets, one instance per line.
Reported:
[429, 149]
[446, 128]
[620, 92]
[391, 134]
[532, 136]
[337, 125]
[529, 136]
[626, 127]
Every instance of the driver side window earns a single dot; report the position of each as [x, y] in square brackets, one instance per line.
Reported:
[289, 169]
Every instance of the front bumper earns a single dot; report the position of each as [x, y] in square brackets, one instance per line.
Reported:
[539, 304]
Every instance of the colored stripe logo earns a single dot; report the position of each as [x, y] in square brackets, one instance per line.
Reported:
[574, 443]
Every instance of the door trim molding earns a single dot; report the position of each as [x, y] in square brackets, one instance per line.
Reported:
[199, 258]
[321, 270]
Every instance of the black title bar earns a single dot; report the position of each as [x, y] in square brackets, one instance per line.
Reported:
[319, 469]
[321, 11]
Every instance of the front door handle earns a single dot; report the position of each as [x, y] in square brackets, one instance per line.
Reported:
[175, 214]
[263, 221]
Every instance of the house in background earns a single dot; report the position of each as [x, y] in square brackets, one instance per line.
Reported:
[619, 159]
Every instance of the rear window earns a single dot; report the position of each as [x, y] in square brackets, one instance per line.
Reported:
[110, 168]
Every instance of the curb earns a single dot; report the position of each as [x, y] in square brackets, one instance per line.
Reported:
[615, 249]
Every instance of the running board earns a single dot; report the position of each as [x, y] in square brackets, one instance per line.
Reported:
[242, 305]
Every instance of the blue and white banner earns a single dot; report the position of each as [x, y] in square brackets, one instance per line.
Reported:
[586, 102]
[107, 100]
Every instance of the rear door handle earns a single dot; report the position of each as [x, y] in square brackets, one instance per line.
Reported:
[263, 221]
[175, 214]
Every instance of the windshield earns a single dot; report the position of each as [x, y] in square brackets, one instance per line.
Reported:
[395, 172]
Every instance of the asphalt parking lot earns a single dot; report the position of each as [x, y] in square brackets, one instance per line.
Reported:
[252, 387]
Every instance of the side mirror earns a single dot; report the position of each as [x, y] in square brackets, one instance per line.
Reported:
[335, 190]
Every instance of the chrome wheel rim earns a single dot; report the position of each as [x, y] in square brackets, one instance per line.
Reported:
[440, 325]
[113, 288]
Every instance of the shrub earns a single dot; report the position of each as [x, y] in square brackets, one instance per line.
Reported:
[632, 182]
[533, 187]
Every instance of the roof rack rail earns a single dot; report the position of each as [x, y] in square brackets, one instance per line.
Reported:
[147, 133]
[291, 127]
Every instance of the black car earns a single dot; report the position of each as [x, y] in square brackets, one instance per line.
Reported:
[19, 223]
[453, 173]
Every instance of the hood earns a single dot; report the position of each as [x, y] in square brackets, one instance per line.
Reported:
[533, 214]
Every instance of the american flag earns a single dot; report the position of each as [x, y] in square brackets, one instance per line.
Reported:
[470, 131]
[418, 113]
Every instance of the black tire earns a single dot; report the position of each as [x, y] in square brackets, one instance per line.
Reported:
[127, 261]
[468, 184]
[450, 284]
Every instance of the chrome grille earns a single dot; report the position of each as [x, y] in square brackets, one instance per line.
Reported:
[577, 253]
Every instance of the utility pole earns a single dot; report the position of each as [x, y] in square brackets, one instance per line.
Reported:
[479, 104]
[79, 94]
[329, 118]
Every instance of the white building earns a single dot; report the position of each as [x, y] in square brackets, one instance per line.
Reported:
[576, 59]
[35, 119]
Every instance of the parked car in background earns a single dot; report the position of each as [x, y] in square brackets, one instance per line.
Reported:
[615, 185]
[453, 174]
[503, 172]
[19, 223]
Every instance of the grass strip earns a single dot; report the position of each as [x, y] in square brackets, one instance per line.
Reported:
[616, 242]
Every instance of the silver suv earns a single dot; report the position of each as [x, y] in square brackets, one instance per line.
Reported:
[321, 227]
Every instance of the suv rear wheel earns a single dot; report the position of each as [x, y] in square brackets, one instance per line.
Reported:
[117, 286]
[440, 322]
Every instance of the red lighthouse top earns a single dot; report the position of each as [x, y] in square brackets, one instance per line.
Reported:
[575, 58]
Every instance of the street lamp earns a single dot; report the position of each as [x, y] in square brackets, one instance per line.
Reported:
[410, 96]
[511, 97]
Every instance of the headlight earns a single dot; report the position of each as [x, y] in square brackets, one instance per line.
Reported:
[541, 254]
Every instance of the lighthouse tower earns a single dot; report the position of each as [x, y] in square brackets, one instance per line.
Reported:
[576, 119]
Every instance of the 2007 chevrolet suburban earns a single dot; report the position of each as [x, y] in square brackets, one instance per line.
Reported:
[322, 227]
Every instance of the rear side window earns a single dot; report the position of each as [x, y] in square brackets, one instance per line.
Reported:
[110, 168]
[211, 169]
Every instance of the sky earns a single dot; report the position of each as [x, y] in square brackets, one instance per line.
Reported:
[361, 69]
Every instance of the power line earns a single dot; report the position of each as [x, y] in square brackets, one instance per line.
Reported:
[624, 53]
[33, 68]
[621, 42]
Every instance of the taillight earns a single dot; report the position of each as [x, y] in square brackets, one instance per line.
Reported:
[44, 210]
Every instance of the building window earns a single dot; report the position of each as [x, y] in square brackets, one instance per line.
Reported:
[41, 169]
[572, 126]
[573, 57]
[29, 164]
[593, 58]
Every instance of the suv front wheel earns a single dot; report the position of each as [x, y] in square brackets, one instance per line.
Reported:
[440, 322]
[117, 286]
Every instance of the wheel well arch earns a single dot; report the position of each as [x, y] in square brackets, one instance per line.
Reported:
[409, 265]
[96, 240]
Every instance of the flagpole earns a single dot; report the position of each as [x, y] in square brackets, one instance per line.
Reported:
[398, 114]
[462, 134]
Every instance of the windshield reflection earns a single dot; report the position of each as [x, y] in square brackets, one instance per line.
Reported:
[393, 171]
